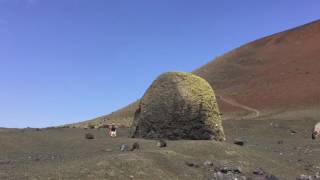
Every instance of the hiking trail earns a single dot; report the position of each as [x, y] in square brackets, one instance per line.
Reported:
[242, 106]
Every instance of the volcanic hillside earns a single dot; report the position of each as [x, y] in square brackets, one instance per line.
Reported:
[281, 71]
[270, 76]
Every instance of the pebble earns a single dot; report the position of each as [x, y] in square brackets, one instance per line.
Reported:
[238, 141]
[304, 177]
[89, 136]
[162, 143]
[293, 131]
[259, 171]
[260, 174]
[227, 169]
[208, 163]
[124, 147]
[135, 146]
[191, 164]
[280, 142]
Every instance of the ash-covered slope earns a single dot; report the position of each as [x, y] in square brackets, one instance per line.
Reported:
[281, 71]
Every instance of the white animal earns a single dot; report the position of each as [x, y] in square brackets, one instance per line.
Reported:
[113, 130]
[113, 133]
[316, 131]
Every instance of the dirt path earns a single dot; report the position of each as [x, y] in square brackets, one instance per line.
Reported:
[242, 106]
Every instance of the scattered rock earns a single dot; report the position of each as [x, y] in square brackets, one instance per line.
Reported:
[260, 174]
[304, 177]
[135, 146]
[229, 176]
[293, 131]
[259, 171]
[108, 150]
[89, 136]
[191, 164]
[280, 142]
[208, 163]
[228, 173]
[271, 177]
[178, 106]
[162, 143]
[124, 147]
[238, 141]
[229, 169]
[316, 131]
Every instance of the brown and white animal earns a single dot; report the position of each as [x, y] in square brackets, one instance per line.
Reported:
[113, 130]
[316, 131]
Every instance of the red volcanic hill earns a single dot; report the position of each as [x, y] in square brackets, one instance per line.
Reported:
[278, 72]
[273, 75]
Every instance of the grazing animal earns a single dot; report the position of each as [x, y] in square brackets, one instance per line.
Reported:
[316, 131]
[113, 130]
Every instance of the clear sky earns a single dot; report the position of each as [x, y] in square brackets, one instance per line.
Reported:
[64, 61]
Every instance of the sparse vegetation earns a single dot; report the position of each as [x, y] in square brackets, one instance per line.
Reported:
[178, 105]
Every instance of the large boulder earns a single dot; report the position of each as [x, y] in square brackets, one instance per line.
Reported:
[178, 106]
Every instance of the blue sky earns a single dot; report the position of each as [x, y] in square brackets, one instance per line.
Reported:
[64, 61]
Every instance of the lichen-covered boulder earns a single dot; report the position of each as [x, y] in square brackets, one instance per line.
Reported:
[178, 106]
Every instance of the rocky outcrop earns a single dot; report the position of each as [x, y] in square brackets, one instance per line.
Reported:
[178, 106]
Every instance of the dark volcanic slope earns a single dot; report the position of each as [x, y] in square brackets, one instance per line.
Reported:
[278, 71]
[274, 74]
[64, 153]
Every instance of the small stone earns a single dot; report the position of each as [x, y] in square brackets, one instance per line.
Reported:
[227, 169]
[280, 142]
[304, 177]
[161, 143]
[135, 146]
[262, 175]
[89, 136]
[108, 150]
[238, 141]
[259, 171]
[293, 131]
[208, 163]
[271, 177]
[191, 164]
[124, 147]
[228, 176]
